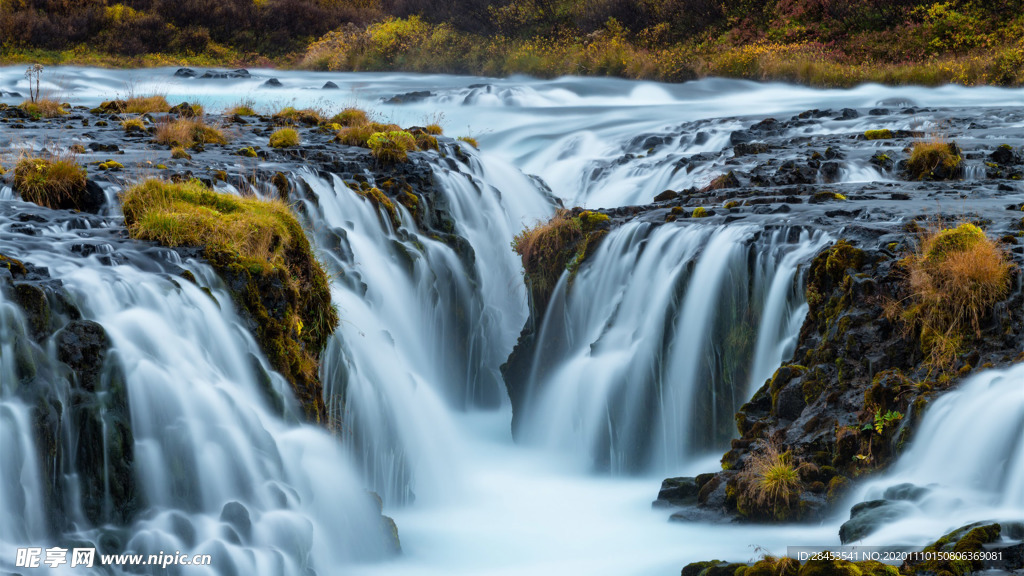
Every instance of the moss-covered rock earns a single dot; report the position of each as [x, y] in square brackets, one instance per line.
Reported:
[260, 250]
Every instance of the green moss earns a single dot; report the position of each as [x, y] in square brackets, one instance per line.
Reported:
[179, 153]
[290, 115]
[284, 138]
[381, 201]
[829, 568]
[591, 220]
[111, 166]
[959, 239]
[699, 212]
[730, 205]
[261, 251]
[884, 134]
[935, 160]
[248, 152]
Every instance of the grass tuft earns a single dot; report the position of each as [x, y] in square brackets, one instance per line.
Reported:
[188, 133]
[350, 117]
[43, 108]
[284, 138]
[954, 279]
[55, 181]
[935, 159]
[392, 146]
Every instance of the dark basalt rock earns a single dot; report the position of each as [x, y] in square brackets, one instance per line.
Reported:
[241, 73]
[410, 97]
[329, 86]
[272, 83]
[82, 345]
[185, 73]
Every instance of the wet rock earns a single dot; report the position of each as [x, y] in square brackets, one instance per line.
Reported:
[867, 517]
[241, 73]
[848, 114]
[185, 73]
[272, 83]
[410, 97]
[791, 172]
[1005, 155]
[830, 172]
[185, 110]
[329, 86]
[678, 492]
[666, 196]
[82, 345]
[237, 515]
[36, 308]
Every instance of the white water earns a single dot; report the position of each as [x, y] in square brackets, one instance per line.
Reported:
[967, 453]
[423, 433]
[204, 435]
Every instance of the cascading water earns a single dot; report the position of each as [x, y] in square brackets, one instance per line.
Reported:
[644, 356]
[965, 463]
[216, 472]
[691, 317]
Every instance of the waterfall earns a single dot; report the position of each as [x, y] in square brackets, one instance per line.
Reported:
[216, 471]
[643, 358]
[425, 324]
[965, 458]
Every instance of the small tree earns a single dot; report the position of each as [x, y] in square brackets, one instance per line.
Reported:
[33, 73]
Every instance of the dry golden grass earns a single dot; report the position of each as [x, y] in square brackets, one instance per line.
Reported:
[350, 117]
[146, 104]
[54, 181]
[954, 279]
[935, 158]
[771, 479]
[43, 108]
[307, 116]
[133, 124]
[187, 133]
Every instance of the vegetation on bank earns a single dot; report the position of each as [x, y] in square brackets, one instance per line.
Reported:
[258, 247]
[820, 42]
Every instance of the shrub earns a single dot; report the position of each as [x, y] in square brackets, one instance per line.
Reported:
[935, 160]
[43, 108]
[954, 279]
[54, 182]
[188, 133]
[392, 146]
[284, 138]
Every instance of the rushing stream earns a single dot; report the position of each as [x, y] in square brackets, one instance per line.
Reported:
[661, 336]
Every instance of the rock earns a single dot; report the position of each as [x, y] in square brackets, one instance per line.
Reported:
[867, 517]
[241, 73]
[790, 173]
[36, 308]
[848, 114]
[666, 195]
[82, 345]
[185, 73]
[829, 172]
[410, 97]
[98, 147]
[678, 492]
[748, 149]
[185, 110]
[272, 83]
[93, 199]
[1005, 155]
[237, 515]
[329, 86]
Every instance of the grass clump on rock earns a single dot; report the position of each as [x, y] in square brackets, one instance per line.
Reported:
[561, 244]
[54, 182]
[884, 134]
[188, 133]
[350, 117]
[954, 279]
[392, 146]
[43, 108]
[770, 485]
[284, 138]
[935, 160]
[259, 249]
